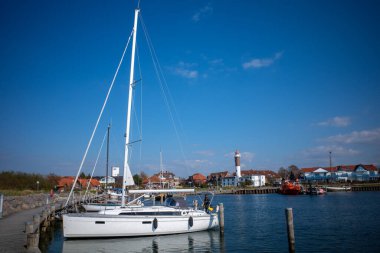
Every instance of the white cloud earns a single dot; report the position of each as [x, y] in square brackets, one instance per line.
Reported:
[263, 62]
[336, 122]
[185, 70]
[203, 12]
[365, 136]
[194, 165]
[216, 62]
[248, 156]
[205, 152]
[323, 151]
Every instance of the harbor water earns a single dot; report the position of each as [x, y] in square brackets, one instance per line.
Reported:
[335, 222]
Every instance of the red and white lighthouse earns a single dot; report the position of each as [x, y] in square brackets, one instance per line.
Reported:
[237, 163]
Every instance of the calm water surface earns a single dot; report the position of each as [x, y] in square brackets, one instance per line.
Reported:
[336, 222]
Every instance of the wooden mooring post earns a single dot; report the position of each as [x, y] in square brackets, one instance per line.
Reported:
[221, 219]
[1, 205]
[32, 236]
[290, 228]
[40, 223]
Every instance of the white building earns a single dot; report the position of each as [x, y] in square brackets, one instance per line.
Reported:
[250, 177]
[234, 180]
[110, 180]
[115, 171]
[230, 181]
[255, 180]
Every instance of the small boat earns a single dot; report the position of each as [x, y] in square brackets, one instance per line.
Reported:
[315, 190]
[338, 188]
[290, 188]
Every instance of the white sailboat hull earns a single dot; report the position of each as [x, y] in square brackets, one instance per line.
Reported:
[99, 225]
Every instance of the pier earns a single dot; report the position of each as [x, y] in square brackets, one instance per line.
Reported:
[12, 237]
[266, 190]
[20, 231]
[270, 190]
[365, 187]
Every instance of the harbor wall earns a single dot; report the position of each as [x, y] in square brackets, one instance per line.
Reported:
[270, 190]
[14, 204]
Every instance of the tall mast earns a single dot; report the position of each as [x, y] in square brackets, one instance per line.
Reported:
[161, 170]
[127, 176]
[108, 153]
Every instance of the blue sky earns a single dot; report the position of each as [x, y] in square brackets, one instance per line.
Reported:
[285, 82]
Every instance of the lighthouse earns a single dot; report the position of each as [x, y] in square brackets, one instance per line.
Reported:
[237, 164]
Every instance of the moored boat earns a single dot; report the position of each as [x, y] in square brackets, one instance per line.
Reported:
[290, 188]
[174, 217]
[338, 188]
[134, 218]
[315, 190]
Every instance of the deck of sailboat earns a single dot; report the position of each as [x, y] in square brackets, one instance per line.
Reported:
[142, 212]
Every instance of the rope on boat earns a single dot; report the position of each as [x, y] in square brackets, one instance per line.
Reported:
[93, 170]
[99, 117]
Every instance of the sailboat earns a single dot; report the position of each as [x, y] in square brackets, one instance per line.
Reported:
[133, 218]
[103, 202]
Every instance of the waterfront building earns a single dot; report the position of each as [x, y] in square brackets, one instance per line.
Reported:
[94, 183]
[154, 182]
[163, 179]
[215, 178]
[236, 178]
[230, 181]
[109, 181]
[198, 179]
[341, 173]
[254, 180]
[65, 183]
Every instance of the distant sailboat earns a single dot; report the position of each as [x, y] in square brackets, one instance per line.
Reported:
[133, 218]
[104, 203]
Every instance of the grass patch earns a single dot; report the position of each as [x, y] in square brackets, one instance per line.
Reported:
[18, 192]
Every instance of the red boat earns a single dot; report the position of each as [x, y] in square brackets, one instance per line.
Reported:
[290, 188]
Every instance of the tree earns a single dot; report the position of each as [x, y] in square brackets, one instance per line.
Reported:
[282, 172]
[143, 176]
[292, 176]
[82, 175]
[246, 183]
[293, 169]
[137, 178]
[52, 180]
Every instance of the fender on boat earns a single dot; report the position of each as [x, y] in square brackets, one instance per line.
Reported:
[155, 223]
[191, 221]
